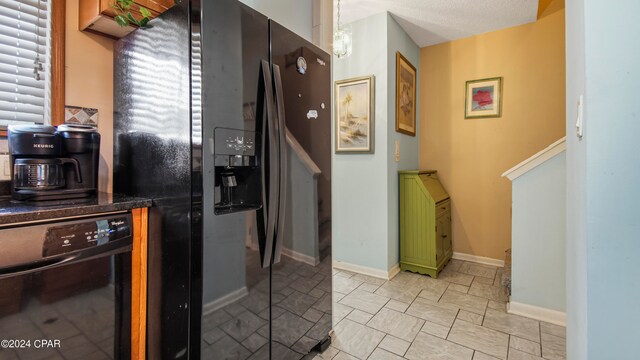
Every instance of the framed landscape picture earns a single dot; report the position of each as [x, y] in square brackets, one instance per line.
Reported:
[405, 96]
[483, 98]
[354, 106]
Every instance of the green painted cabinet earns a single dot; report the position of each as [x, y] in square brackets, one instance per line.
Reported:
[425, 223]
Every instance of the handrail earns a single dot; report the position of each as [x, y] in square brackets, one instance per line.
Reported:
[537, 159]
[303, 155]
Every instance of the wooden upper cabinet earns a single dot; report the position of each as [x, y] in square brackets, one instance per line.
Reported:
[98, 15]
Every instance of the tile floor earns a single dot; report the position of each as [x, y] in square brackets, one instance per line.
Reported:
[301, 314]
[84, 325]
[459, 316]
[78, 310]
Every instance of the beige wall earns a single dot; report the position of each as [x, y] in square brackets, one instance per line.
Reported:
[470, 155]
[89, 83]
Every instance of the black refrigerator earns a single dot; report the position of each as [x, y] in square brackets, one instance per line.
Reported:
[223, 118]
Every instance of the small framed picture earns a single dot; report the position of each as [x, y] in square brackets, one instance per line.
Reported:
[405, 96]
[354, 106]
[483, 98]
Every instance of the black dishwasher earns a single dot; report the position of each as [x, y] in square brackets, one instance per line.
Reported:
[65, 289]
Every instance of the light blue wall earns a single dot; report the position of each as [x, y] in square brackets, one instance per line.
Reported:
[576, 187]
[612, 58]
[301, 221]
[365, 186]
[538, 236]
[605, 195]
[295, 15]
[359, 193]
[224, 255]
[398, 40]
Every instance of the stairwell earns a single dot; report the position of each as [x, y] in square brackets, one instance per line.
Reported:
[535, 264]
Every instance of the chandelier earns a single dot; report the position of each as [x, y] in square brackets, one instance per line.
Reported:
[342, 39]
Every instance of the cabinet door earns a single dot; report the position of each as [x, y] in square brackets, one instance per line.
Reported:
[156, 5]
[446, 233]
[440, 237]
[443, 235]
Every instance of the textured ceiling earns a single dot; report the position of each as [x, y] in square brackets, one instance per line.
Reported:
[430, 22]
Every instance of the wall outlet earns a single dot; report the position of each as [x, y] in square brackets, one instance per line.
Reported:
[397, 150]
[5, 168]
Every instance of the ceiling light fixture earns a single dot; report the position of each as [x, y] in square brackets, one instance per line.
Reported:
[342, 39]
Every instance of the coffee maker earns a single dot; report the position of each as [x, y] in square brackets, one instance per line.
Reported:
[53, 164]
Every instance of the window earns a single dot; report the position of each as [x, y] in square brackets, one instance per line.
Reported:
[25, 66]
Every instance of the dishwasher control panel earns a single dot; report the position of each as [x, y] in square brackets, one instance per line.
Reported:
[72, 237]
[34, 242]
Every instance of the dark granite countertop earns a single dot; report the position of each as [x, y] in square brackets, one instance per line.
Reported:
[12, 212]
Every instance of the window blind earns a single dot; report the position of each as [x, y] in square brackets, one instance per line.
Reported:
[196, 88]
[24, 61]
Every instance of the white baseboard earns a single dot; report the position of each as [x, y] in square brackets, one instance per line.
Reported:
[221, 302]
[538, 313]
[395, 270]
[478, 259]
[309, 260]
[365, 270]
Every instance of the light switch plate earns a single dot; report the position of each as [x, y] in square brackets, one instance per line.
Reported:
[397, 150]
[580, 118]
[5, 168]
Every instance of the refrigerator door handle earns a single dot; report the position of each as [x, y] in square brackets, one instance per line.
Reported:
[282, 196]
[266, 216]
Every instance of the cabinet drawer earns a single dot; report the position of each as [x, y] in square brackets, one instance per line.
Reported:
[443, 208]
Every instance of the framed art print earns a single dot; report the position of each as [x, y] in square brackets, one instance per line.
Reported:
[405, 96]
[483, 98]
[354, 106]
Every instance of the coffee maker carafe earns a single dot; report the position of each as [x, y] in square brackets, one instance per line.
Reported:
[50, 164]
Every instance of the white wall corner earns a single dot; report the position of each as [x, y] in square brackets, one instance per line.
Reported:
[225, 300]
[323, 24]
[365, 270]
[538, 313]
[395, 270]
[300, 257]
[478, 259]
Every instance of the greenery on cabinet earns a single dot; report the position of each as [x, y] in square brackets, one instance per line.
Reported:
[124, 17]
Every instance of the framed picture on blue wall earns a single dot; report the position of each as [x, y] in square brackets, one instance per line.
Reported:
[406, 79]
[354, 107]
